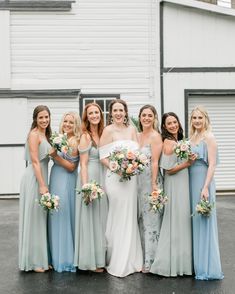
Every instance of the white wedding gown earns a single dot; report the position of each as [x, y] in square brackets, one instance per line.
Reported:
[124, 252]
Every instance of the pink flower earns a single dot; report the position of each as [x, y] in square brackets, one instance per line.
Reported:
[114, 166]
[130, 155]
[64, 149]
[184, 147]
[143, 158]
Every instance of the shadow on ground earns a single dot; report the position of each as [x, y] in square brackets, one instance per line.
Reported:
[13, 281]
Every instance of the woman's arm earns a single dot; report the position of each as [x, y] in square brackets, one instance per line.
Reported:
[34, 142]
[156, 150]
[212, 150]
[84, 157]
[106, 138]
[168, 147]
[68, 165]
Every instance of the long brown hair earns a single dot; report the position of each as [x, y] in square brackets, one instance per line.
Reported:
[34, 125]
[165, 133]
[86, 127]
[154, 111]
[111, 108]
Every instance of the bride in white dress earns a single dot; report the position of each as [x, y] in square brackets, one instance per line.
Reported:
[124, 252]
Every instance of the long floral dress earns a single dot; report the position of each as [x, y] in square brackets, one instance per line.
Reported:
[149, 222]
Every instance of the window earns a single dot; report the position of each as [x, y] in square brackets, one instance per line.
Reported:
[102, 100]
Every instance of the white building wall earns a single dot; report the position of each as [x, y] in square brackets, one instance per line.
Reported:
[5, 72]
[105, 46]
[197, 38]
[199, 55]
[176, 83]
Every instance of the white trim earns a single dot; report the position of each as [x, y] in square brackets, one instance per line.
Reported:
[203, 6]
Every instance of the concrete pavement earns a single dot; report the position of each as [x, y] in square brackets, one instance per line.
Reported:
[13, 281]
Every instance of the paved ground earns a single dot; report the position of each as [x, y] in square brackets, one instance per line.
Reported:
[13, 281]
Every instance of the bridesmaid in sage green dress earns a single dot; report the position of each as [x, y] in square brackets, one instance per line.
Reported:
[33, 248]
[150, 180]
[174, 253]
[90, 248]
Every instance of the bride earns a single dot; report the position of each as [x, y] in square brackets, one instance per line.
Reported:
[124, 252]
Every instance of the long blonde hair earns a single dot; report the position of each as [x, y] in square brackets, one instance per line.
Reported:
[207, 124]
[76, 126]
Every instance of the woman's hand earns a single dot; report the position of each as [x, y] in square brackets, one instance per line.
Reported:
[192, 158]
[205, 193]
[154, 187]
[53, 152]
[43, 190]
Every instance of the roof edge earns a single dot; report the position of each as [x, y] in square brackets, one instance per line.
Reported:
[202, 6]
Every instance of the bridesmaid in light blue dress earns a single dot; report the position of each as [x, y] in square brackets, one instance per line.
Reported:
[90, 247]
[206, 255]
[174, 252]
[150, 180]
[62, 183]
[33, 249]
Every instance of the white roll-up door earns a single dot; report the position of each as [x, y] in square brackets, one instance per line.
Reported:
[221, 110]
[57, 107]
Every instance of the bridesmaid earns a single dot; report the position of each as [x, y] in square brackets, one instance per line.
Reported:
[62, 183]
[90, 222]
[174, 251]
[33, 251]
[206, 255]
[150, 180]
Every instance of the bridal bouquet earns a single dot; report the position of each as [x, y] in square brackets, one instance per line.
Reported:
[90, 192]
[127, 163]
[183, 149]
[204, 207]
[157, 201]
[49, 202]
[60, 142]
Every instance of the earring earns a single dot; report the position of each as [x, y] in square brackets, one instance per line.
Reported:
[111, 120]
[125, 120]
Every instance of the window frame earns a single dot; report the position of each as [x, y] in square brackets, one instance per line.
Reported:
[95, 97]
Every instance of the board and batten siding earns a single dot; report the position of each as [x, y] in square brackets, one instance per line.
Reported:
[105, 46]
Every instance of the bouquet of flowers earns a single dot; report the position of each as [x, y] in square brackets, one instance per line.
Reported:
[49, 202]
[204, 207]
[60, 142]
[157, 201]
[183, 149]
[90, 192]
[127, 163]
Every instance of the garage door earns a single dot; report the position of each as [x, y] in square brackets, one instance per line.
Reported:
[221, 110]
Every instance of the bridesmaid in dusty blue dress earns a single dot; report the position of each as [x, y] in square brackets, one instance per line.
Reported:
[62, 183]
[174, 251]
[33, 253]
[206, 255]
[90, 248]
[150, 180]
